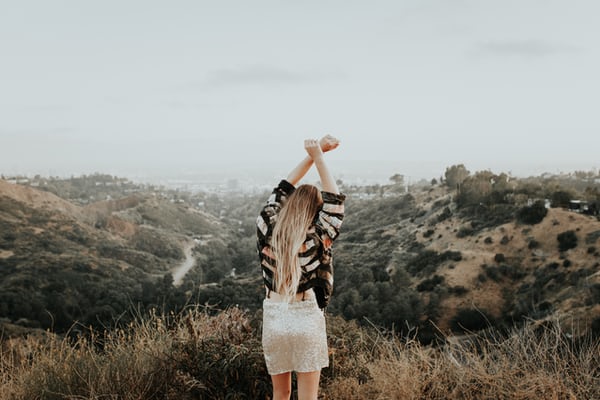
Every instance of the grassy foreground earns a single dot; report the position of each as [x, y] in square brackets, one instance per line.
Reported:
[200, 356]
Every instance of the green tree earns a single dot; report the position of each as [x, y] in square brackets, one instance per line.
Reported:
[533, 214]
[455, 175]
[397, 179]
[476, 189]
[561, 198]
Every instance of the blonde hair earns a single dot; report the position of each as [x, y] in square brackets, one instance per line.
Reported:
[293, 221]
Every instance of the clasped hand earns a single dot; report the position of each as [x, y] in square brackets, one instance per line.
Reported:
[316, 148]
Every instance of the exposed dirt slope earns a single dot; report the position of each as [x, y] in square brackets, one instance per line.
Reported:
[43, 200]
[562, 281]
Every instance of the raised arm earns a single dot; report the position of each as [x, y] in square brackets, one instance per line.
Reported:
[315, 152]
[327, 143]
[300, 170]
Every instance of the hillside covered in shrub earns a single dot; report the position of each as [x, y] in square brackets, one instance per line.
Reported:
[456, 255]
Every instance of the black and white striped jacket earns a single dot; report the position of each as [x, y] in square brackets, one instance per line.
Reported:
[315, 254]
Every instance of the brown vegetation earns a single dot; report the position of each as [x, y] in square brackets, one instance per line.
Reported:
[198, 356]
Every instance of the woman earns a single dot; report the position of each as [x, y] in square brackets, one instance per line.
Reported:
[295, 230]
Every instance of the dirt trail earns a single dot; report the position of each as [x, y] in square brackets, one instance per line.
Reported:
[189, 262]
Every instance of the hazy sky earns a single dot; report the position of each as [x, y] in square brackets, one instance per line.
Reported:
[131, 87]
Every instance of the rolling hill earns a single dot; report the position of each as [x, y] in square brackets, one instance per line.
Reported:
[61, 262]
[416, 261]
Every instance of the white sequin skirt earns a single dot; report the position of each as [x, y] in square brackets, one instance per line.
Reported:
[294, 337]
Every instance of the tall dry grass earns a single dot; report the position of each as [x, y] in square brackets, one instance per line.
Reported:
[538, 361]
[196, 355]
[188, 356]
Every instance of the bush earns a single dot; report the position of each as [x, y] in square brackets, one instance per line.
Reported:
[561, 198]
[469, 320]
[465, 231]
[429, 284]
[458, 290]
[444, 215]
[595, 293]
[567, 240]
[533, 214]
[428, 233]
[512, 271]
[493, 273]
[451, 255]
[499, 258]
[592, 237]
[426, 262]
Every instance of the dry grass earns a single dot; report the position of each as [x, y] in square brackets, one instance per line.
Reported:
[536, 362]
[159, 357]
[198, 356]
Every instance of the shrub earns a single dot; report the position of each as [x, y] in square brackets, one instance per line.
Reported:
[428, 233]
[493, 273]
[567, 240]
[592, 237]
[424, 263]
[561, 198]
[533, 214]
[533, 244]
[429, 284]
[469, 320]
[451, 255]
[458, 290]
[444, 215]
[553, 265]
[595, 293]
[511, 271]
[499, 258]
[465, 231]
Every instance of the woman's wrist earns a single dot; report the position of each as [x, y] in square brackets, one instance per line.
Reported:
[317, 157]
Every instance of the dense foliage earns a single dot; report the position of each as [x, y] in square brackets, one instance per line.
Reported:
[533, 214]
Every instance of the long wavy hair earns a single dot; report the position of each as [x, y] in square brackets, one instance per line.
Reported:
[293, 221]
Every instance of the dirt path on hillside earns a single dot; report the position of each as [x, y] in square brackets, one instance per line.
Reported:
[189, 262]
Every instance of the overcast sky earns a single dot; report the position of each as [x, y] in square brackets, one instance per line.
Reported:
[132, 87]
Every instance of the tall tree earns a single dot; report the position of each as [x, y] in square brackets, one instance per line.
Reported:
[455, 175]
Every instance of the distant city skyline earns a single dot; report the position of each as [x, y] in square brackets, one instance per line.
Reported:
[150, 88]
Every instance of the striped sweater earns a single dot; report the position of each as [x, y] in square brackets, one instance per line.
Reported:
[315, 254]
